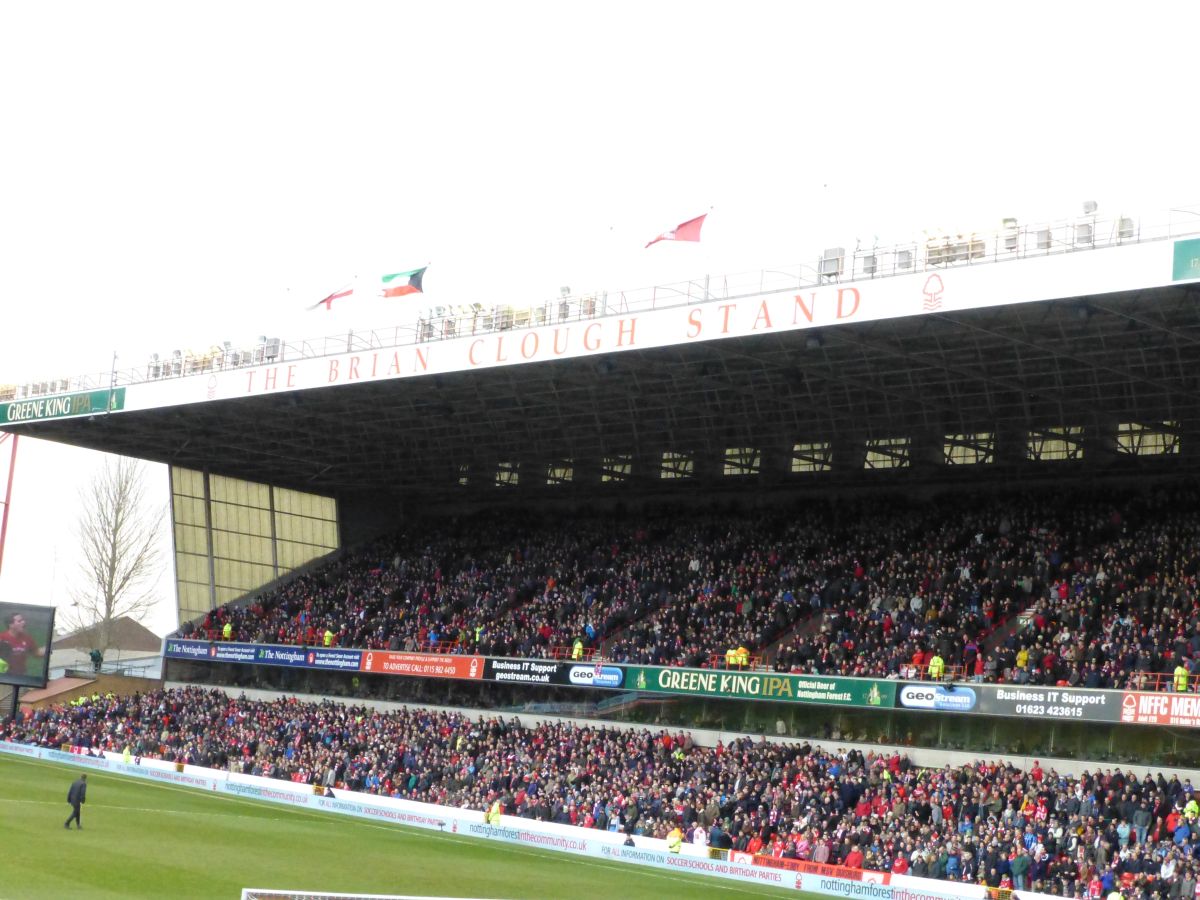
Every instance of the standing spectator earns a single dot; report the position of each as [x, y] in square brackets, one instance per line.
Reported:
[937, 666]
[1141, 822]
[1020, 869]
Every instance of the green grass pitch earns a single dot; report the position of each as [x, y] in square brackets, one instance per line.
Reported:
[148, 840]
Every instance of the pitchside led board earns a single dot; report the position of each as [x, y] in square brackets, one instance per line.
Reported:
[25, 633]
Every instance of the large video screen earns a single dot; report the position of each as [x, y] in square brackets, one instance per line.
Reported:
[25, 633]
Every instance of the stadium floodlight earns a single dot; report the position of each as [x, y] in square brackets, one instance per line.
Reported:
[565, 291]
[1090, 207]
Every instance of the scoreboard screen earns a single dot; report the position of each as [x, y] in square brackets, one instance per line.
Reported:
[25, 635]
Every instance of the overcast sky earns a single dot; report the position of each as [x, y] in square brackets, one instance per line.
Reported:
[174, 175]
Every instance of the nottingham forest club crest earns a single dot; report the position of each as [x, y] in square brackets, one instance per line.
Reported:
[933, 290]
[873, 696]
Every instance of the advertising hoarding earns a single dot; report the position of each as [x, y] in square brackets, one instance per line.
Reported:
[426, 665]
[1017, 701]
[763, 686]
[542, 671]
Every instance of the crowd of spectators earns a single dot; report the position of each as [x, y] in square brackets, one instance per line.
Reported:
[984, 822]
[863, 587]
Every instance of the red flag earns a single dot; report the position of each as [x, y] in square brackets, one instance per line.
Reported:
[688, 231]
[340, 294]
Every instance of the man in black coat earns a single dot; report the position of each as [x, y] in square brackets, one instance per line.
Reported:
[76, 796]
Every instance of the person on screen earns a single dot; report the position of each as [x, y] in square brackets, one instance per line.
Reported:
[21, 647]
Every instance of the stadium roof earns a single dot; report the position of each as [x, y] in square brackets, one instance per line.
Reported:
[1089, 337]
[125, 634]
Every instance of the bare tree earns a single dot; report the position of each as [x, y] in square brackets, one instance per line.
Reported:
[119, 537]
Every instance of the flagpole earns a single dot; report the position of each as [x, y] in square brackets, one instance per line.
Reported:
[112, 383]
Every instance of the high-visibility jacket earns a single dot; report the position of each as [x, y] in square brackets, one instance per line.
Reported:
[936, 666]
[577, 649]
[328, 638]
[675, 840]
[1181, 678]
[731, 657]
[227, 631]
[743, 656]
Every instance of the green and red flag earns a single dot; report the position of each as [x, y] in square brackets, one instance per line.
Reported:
[401, 284]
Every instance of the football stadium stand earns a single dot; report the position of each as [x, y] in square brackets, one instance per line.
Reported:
[913, 496]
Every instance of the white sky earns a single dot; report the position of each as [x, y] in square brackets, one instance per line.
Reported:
[174, 175]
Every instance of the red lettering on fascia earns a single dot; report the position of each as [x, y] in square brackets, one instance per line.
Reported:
[802, 308]
[841, 293]
[764, 316]
[728, 309]
[622, 330]
[590, 343]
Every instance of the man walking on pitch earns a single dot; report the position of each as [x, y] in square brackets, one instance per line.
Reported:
[76, 796]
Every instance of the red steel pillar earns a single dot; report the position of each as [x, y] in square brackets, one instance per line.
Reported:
[11, 441]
